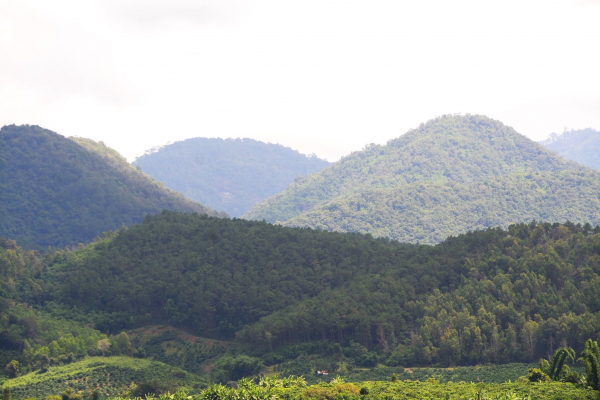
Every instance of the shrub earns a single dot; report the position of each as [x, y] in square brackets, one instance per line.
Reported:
[70, 395]
[368, 360]
[153, 387]
[179, 374]
[332, 392]
[573, 377]
[12, 369]
[537, 375]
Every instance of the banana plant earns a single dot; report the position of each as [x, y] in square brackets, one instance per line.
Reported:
[590, 357]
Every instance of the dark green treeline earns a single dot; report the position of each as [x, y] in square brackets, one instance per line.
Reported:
[487, 296]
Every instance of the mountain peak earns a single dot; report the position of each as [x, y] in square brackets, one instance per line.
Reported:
[449, 157]
[57, 191]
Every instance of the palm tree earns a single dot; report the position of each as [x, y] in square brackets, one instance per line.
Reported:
[590, 357]
[558, 361]
[554, 367]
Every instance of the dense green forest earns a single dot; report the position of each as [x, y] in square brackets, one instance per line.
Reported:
[450, 175]
[56, 191]
[429, 212]
[228, 174]
[187, 299]
[490, 296]
[581, 145]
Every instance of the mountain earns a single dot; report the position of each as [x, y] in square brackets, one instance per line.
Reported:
[488, 296]
[582, 146]
[56, 191]
[228, 174]
[450, 175]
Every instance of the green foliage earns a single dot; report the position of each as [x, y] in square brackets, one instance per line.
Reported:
[108, 376]
[590, 357]
[57, 191]
[227, 174]
[68, 394]
[12, 368]
[451, 175]
[120, 344]
[39, 340]
[177, 348]
[558, 362]
[222, 274]
[497, 311]
[483, 297]
[267, 388]
[235, 368]
[537, 375]
[581, 146]
[153, 387]
[392, 390]
[429, 212]
[573, 377]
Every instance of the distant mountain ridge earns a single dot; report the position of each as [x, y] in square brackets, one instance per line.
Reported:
[228, 174]
[582, 146]
[56, 191]
[450, 175]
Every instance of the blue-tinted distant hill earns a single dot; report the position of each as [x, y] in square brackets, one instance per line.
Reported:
[228, 174]
[582, 146]
[57, 191]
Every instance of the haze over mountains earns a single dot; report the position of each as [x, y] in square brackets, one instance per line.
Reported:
[451, 175]
[56, 191]
[581, 145]
[228, 174]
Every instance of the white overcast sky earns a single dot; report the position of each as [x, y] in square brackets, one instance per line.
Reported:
[324, 77]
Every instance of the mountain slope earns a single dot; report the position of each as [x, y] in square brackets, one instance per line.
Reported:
[56, 191]
[582, 146]
[429, 212]
[231, 174]
[480, 297]
[451, 175]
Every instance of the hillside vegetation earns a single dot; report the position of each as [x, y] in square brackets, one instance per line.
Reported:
[109, 376]
[491, 296]
[582, 146]
[228, 174]
[56, 191]
[451, 175]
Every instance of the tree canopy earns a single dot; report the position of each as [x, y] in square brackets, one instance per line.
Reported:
[487, 296]
[56, 191]
[450, 175]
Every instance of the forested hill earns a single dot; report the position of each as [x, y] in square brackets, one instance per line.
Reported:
[231, 174]
[450, 175]
[56, 191]
[488, 296]
[582, 146]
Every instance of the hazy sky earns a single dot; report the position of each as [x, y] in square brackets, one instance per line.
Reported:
[319, 76]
